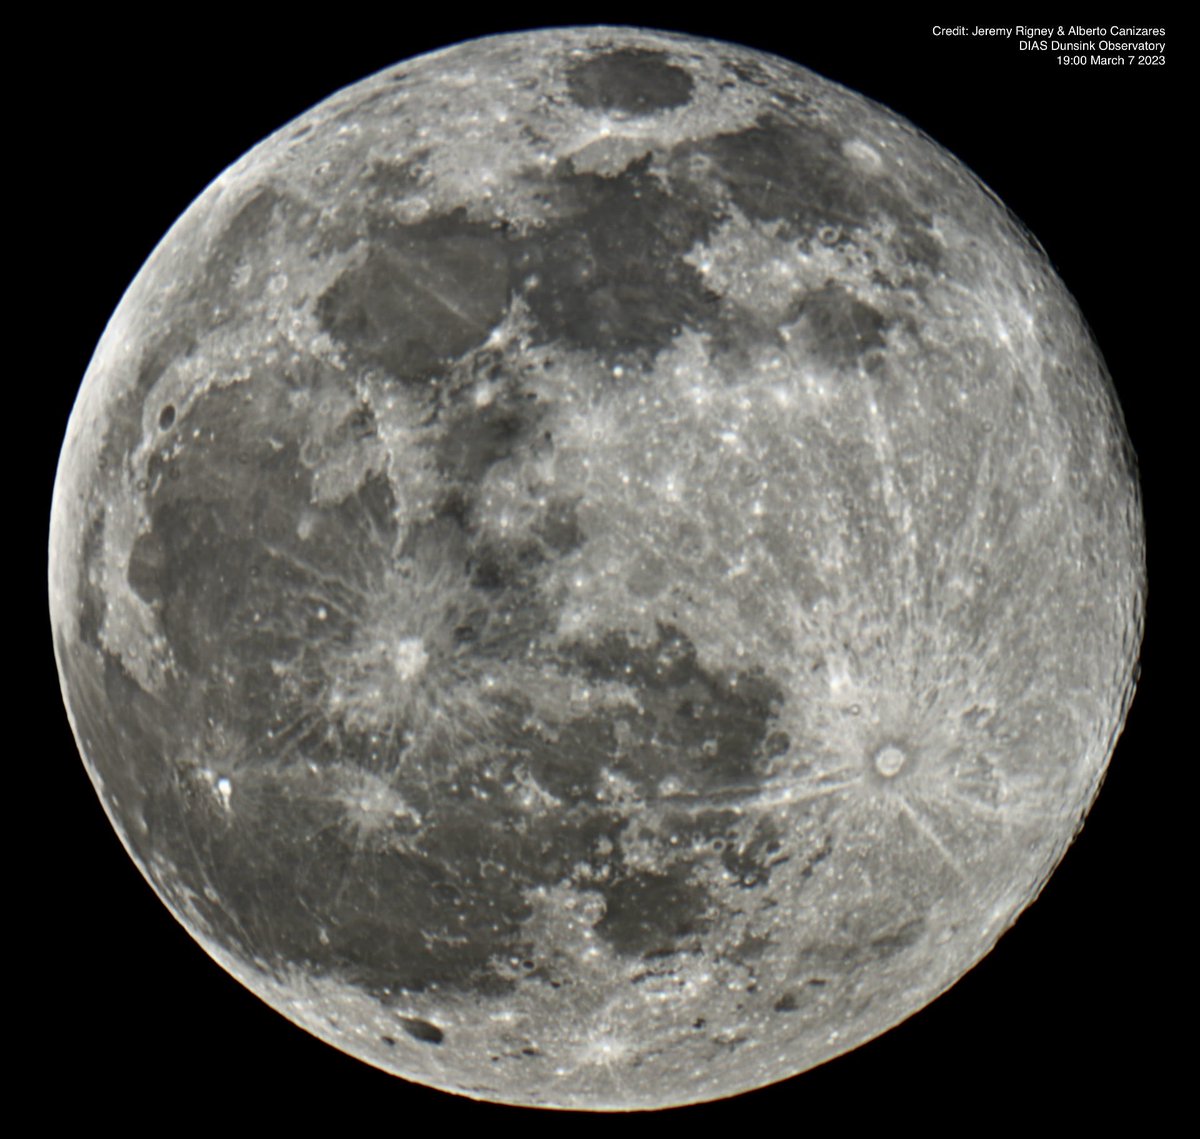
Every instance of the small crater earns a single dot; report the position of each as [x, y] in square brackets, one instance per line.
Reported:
[559, 527]
[890, 761]
[776, 744]
[166, 417]
[787, 1003]
[361, 424]
[422, 1030]
[447, 894]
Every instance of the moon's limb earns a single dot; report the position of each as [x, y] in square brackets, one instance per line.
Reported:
[608, 602]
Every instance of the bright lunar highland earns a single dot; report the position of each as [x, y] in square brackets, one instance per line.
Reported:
[596, 569]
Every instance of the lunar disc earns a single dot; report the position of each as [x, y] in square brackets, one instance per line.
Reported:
[596, 568]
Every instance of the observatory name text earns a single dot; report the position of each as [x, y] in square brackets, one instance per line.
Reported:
[1074, 43]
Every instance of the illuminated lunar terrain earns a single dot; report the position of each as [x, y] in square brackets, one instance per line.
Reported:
[596, 569]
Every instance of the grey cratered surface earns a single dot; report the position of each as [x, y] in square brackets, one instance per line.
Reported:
[596, 569]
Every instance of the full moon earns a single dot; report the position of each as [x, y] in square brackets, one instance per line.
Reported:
[597, 569]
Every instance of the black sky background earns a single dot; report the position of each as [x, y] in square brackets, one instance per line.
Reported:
[1071, 1014]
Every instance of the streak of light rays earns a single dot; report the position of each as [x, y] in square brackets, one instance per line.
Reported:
[367, 524]
[954, 799]
[1022, 803]
[756, 796]
[280, 745]
[955, 808]
[357, 841]
[344, 879]
[303, 875]
[964, 540]
[796, 793]
[370, 563]
[951, 681]
[276, 632]
[418, 273]
[895, 505]
[925, 829]
[346, 597]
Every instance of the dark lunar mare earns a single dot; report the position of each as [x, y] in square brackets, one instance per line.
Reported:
[234, 588]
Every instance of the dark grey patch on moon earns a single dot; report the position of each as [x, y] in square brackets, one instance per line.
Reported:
[238, 475]
[606, 275]
[92, 604]
[650, 912]
[426, 294]
[477, 439]
[865, 939]
[798, 173]
[837, 327]
[248, 227]
[751, 862]
[610, 274]
[635, 81]
[393, 181]
[570, 765]
[708, 731]
[436, 914]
